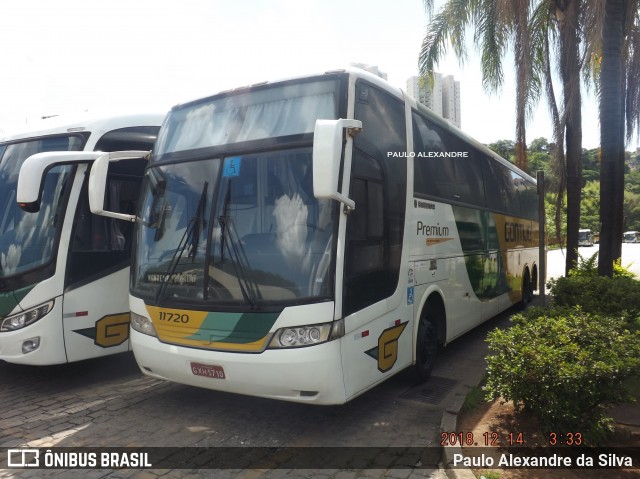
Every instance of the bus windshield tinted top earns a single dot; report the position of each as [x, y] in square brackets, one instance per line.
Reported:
[27, 239]
[290, 109]
[239, 228]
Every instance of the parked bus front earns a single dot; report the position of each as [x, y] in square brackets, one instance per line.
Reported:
[64, 271]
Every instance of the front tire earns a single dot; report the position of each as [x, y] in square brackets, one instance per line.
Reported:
[427, 345]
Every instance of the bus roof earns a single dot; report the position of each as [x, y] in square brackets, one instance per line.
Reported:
[82, 122]
[385, 85]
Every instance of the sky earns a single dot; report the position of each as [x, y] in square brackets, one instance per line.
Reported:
[66, 56]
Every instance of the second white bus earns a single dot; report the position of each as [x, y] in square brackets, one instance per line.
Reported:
[64, 272]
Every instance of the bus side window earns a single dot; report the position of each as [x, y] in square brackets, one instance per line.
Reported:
[470, 183]
[456, 177]
[433, 175]
[498, 185]
[99, 243]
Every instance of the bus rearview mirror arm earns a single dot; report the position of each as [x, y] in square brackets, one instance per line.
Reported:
[327, 158]
[34, 170]
[98, 182]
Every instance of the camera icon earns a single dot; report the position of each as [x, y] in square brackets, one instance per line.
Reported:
[23, 457]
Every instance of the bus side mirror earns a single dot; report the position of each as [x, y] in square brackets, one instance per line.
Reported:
[34, 170]
[327, 158]
[98, 182]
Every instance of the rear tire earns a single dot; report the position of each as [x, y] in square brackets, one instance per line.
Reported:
[527, 292]
[427, 345]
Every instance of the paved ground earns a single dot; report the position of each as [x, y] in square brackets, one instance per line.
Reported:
[108, 403]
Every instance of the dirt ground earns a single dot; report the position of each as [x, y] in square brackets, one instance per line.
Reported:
[498, 423]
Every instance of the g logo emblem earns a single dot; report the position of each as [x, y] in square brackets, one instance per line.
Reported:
[112, 330]
[387, 350]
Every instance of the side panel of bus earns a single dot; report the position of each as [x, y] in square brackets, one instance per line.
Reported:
[96, 317]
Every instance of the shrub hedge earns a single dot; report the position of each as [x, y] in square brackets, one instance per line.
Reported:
[565, 365]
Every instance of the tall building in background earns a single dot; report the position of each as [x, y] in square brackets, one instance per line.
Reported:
[451, 100]
[443, 99]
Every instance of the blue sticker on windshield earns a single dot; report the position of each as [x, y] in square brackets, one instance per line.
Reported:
[231, 166]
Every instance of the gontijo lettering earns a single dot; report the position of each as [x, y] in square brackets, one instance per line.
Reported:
[514, 232]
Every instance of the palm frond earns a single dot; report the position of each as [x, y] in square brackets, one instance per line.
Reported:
[591, 34]
[492, 33]
[633, 79]
[446, 28]
[428, 6]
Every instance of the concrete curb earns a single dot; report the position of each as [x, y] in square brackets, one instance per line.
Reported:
[449, 423]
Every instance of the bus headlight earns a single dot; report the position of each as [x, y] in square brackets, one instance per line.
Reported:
[311, 335]
[30, 316]
[143, 325]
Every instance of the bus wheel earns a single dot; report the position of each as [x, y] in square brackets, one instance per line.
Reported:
[527, 292]
[427, 345]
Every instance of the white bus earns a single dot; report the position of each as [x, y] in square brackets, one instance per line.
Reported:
[585, 237]
[307, 239]
[630, 237]
[63, 271]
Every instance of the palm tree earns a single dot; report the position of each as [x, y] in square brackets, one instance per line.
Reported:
[494, 21]
[567, 18]
[614, 52]
[529, 25]
[611, 136]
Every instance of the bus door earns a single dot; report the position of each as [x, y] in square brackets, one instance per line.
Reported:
[96, 307]
[379, 332]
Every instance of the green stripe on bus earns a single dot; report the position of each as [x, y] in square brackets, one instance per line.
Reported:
[235, 328]
[10, 299]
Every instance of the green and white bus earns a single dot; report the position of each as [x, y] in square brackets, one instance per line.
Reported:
[63, 271]
[307, 239]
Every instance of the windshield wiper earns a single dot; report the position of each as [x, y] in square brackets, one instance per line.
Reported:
[229, 236]
[191, 237]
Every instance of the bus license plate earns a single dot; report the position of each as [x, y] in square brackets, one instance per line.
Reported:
[208, 371]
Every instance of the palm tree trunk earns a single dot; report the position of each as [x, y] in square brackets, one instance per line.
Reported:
[611, 138]
[523, 73]
[570, 73]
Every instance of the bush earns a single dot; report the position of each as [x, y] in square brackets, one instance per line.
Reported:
[566, 366]
[589, 267]
[616, 296]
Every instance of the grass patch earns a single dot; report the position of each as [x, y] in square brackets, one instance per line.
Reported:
[476, 397]
[488, 475]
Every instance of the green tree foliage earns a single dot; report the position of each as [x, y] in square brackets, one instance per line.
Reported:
[504, 148]
[631, 211]
[590, 206]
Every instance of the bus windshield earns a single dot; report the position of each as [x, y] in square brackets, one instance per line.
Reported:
[27, 239]
[248, 230]
[289, 109]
